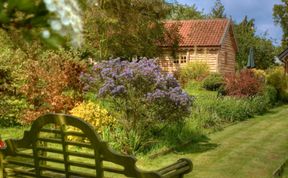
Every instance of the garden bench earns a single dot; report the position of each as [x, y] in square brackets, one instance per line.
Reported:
[65, 146]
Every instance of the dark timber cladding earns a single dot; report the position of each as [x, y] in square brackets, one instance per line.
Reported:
[210, 41]
[284, 58]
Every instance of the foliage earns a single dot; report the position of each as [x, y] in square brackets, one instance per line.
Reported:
[218, 11]
[93, 114]
[11, 108]
[260, 74]
[54, 19]
[212, 113]
[264, 51]
[53, 83]
[140, 93]
[213, 82]
[276, 77]
[270, 93]
[5, 79]
[126, 28]
[192, 71]
[243, 84]
[183, 12]
[280, 17]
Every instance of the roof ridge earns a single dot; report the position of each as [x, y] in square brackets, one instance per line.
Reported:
[189, 20]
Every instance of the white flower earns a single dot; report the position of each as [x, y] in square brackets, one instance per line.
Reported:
[48, 2]
[56, 25]
[51, 7]
[66, 19]
[45, 34]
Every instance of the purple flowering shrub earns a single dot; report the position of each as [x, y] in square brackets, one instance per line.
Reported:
[140, 92]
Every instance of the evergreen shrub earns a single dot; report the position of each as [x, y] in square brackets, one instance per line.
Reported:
[213, 82]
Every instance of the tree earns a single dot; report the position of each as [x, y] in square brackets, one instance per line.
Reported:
[264, 51]
[218, 11]
[183, 12]
[125, 28]
[280, 13]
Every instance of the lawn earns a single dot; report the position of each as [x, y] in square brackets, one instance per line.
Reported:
[253, 148]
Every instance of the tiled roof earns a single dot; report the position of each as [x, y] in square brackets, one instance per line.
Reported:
[208, 32]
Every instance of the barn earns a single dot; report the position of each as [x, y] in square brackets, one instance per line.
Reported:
[211, 41]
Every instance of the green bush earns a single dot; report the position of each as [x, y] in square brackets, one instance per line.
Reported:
[192, 71]
[213, 82]
[11, 109]
[211, 112]
[276, 77]
[270, 93]
[284, 96]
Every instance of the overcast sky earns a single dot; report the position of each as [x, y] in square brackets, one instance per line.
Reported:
[260, 10]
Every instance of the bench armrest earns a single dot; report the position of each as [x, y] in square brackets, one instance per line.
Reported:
[178, 169]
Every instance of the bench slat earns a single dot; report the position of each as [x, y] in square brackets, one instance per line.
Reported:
[84, 165]
[79, 154]
[52, 150]
[23, 172]
[115, 170]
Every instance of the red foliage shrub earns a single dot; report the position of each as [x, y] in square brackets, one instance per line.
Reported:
[242, 84]
[53, 85]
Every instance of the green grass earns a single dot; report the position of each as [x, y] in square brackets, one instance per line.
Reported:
[285, 173]
[253, 148]
[13, 132]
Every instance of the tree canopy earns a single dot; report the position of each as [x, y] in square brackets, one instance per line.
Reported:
[280, 13]
[183, 12]
[264, 51]
[125, 28]
[218, 10]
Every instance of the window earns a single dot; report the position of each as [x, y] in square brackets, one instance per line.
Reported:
[183, 59]
[176, 61]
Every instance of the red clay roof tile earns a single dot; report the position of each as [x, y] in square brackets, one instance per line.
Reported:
[208, 32]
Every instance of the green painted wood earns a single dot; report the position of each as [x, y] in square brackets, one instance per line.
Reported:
[47, 150]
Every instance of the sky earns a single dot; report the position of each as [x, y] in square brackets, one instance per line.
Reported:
[260, 10]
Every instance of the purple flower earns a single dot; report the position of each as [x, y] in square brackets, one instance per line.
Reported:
[140, 81]
[118, 90]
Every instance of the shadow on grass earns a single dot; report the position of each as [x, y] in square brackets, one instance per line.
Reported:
[200, 145]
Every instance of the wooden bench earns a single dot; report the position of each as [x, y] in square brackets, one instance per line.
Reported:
[47, 150]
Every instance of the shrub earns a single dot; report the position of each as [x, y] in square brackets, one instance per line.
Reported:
[139, 91]
[5, 80]
[260, 74]
[11, 108]
[192, 71]
[270, 93]
[213, 82]
[243, 84]
[93, 114]
[276, 77]
[53, 84]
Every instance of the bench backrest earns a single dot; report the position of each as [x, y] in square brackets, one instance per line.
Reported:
[66, 146]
